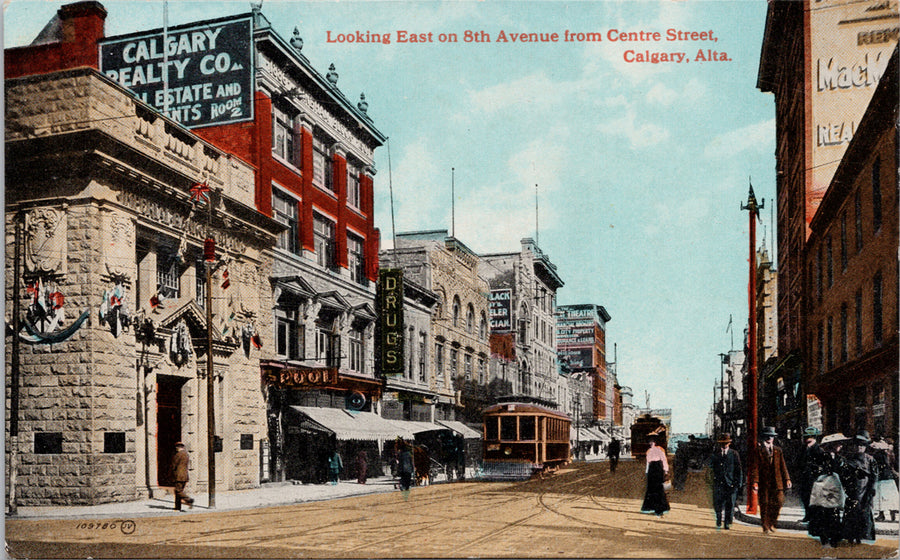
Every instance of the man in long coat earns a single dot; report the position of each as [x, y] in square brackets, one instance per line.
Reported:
[770, 480]
[180, 464]
[726, 479]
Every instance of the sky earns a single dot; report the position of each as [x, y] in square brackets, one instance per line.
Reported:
[641, 168]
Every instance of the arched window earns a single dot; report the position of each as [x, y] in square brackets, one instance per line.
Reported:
[470, 319]
[523, 319]
[482, 327]
[456, 306]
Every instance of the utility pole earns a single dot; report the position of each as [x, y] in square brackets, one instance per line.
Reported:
[210, 258]
[752, 429]
[722, 386]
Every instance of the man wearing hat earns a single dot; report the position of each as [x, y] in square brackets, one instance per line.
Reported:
[726, 479]
[770, 480]
[180, 464]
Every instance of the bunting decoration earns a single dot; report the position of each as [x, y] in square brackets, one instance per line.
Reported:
[250, 337]
[225, 280]
[45, 316]
[114, 310]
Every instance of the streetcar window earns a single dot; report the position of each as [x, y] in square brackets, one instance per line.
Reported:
[526, 428]
[508, 427]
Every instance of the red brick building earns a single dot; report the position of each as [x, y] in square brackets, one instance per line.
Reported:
[852, 284]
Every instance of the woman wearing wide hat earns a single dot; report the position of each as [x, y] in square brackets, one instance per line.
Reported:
[655, 500]
[826, 501]
[860, 475]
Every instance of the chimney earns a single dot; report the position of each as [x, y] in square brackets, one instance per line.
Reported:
[82, 27]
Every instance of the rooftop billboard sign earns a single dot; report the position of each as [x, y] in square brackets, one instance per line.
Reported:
[199, 74]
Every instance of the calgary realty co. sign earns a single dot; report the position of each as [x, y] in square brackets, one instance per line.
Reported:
[198, 74]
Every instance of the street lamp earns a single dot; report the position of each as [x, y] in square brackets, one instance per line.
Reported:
[753, 210]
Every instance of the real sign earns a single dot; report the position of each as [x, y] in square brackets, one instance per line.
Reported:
[389, 308]
[199, 74]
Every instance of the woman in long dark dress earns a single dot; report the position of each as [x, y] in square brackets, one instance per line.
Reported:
[861, 472]
[655, 499]
[824, 522]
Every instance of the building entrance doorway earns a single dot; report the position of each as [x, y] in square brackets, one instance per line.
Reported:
[168, 425]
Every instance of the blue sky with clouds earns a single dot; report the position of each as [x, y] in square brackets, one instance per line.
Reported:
[641, 168]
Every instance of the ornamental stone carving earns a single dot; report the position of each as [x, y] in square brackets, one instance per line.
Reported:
[118, 244]
[45, 241]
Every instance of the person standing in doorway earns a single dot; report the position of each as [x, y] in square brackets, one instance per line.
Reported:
[770, 480]
[613, 453]
[726, 480]
[362, 467]
[180, 465]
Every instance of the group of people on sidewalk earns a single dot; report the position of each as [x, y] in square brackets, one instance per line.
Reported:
[841, 489]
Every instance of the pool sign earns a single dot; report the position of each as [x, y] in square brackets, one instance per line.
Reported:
[208, 67]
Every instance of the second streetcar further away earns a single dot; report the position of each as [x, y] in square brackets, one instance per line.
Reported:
[521, 439]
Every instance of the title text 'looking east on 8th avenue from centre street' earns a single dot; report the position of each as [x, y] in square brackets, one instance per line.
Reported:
[613, 36]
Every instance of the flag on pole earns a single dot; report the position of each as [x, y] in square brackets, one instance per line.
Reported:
[200, 192]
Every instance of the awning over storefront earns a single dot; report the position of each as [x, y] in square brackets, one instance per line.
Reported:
[367, 426]
[461, 429]
[586, 434]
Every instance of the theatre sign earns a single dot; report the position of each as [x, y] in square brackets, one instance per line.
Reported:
[199, 74]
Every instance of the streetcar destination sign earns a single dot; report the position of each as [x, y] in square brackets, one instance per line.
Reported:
[198, 74]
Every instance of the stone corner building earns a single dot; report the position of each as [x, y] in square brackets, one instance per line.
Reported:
[106, 224]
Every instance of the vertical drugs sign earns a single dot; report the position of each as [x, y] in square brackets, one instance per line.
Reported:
[389, 308]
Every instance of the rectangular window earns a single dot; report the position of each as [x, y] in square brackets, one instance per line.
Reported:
[323, 166]
[876, 194]
[857, 203]
[283, 136]
[844, 242]
[859, 321]
[454, 362]
[844, 334]
[168, 273]
[877, 326]
[439, 360]
[327, 346]
[284, 210]
[423, 341]
[357, 350]
[829, 261]
[323, 231]
[47, 443]
[819, 275]
[289, 334]
[114, 442]
[353, 195]
[356, 258]
[481, 371]
[821, 349]
[200, 283]
[830, 341]
[468, 366]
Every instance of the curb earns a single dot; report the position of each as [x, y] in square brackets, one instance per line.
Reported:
[797, 525]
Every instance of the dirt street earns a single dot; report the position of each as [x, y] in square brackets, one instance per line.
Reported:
[582, 511]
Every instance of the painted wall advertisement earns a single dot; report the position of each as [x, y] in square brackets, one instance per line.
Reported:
[500, 310]
[199, 75]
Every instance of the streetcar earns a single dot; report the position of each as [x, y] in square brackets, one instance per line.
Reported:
[644, 427]
[522, 439]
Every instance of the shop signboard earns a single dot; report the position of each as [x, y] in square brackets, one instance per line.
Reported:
[500, 309]
[389, 309]
[199, 74]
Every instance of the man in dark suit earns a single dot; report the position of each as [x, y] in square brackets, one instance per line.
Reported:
[770, 479]
[180, 464]
[726, 479]
[613, 453]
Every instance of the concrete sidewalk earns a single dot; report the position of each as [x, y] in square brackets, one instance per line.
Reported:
[269, 494]
[793, 512]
